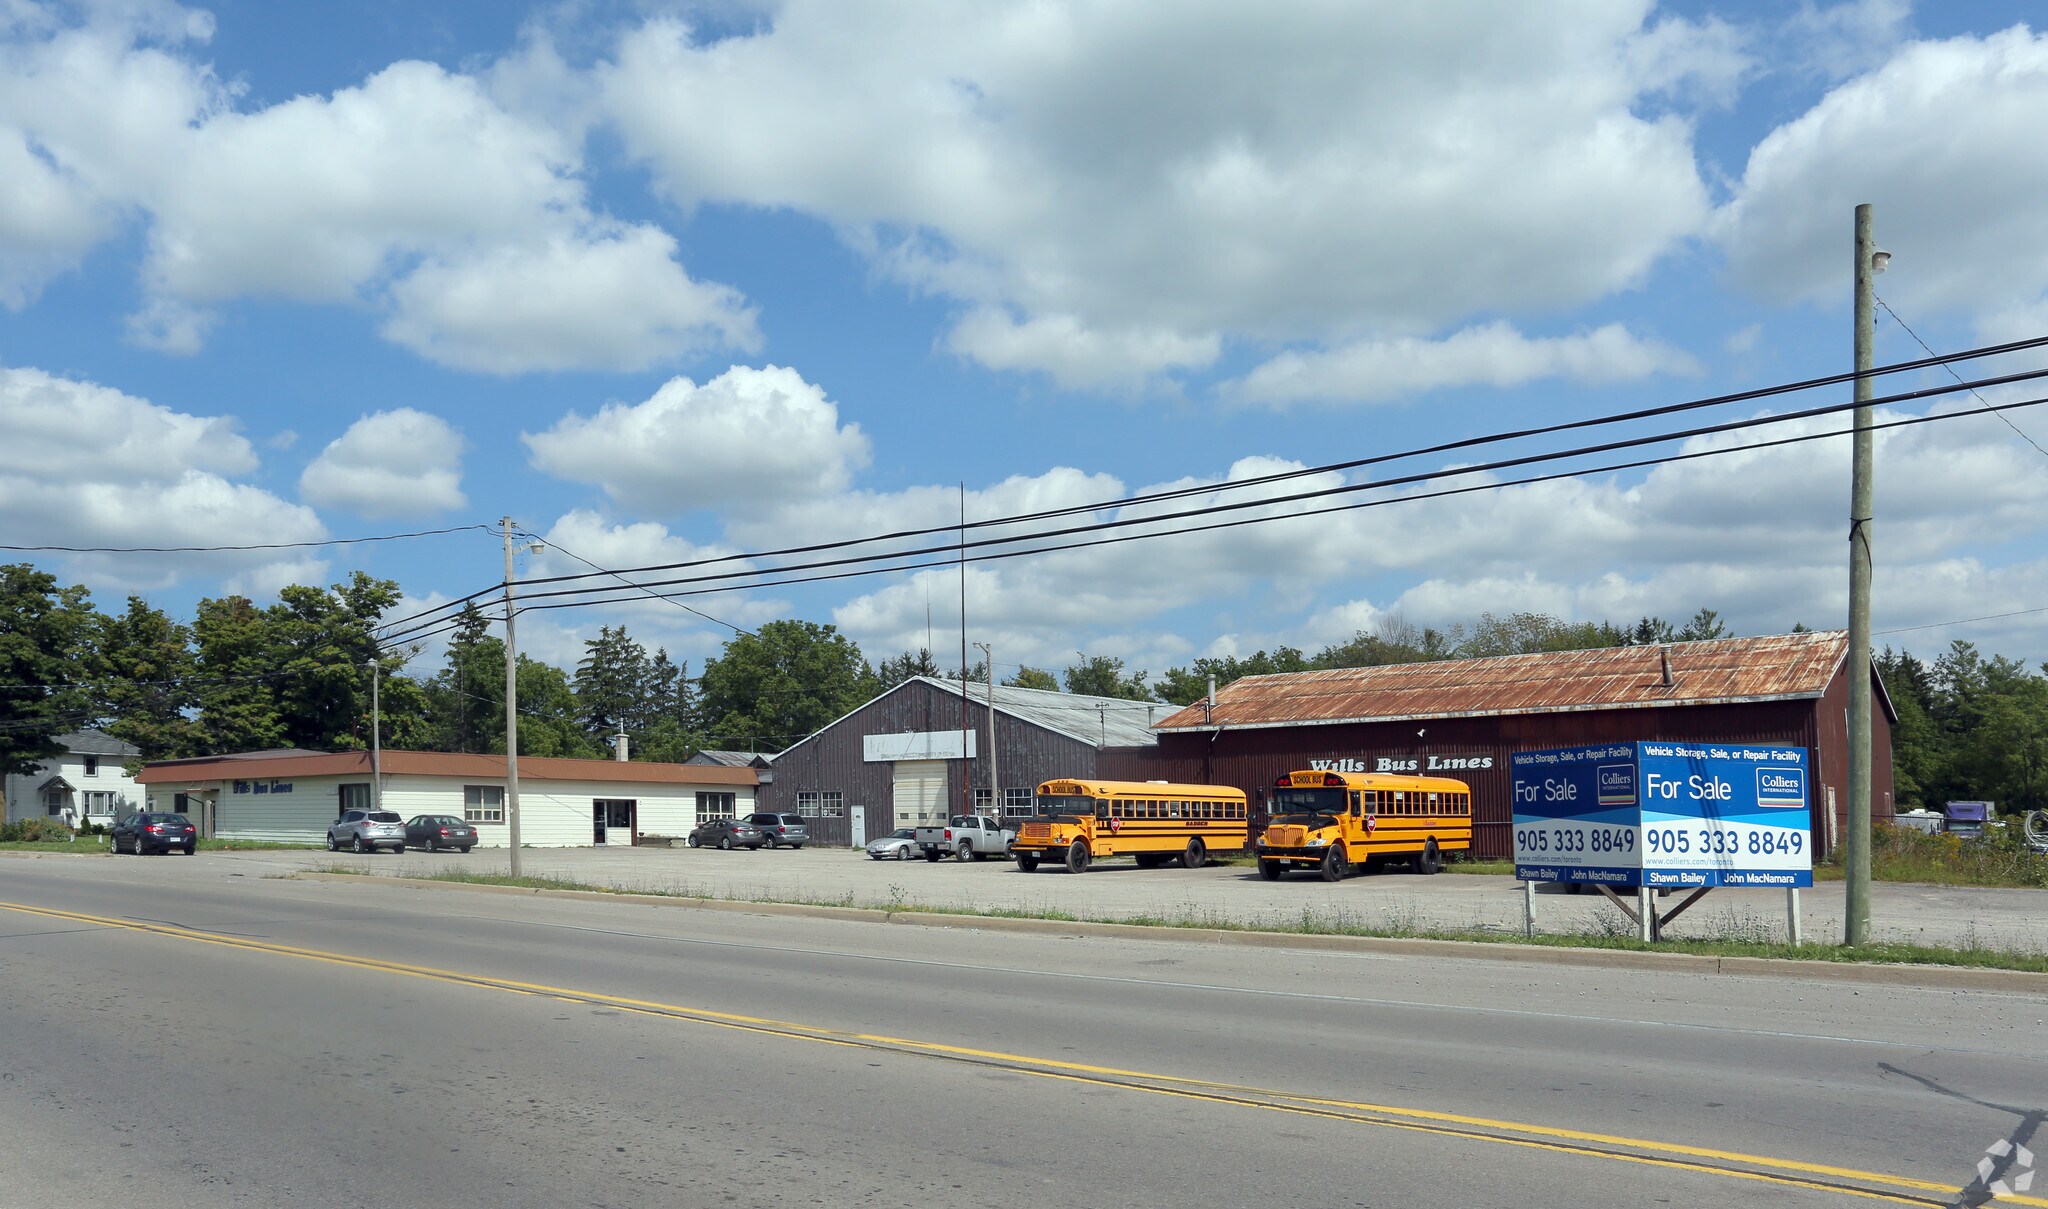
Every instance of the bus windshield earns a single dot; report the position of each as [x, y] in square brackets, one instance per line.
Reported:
[1304, 801]
[1053, 805]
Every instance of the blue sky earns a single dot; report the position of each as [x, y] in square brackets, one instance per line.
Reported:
[664, 282]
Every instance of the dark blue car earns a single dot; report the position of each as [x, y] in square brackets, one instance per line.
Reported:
[148, 832]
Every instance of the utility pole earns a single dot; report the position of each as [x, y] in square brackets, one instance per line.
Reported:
[511, 709]
[376, 741]
[1856, 922]
[995, 776]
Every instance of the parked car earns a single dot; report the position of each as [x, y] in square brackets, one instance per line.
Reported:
[898, 845]
[366, 831]
[727, 833]
[145, 833]
[780, 829]
[437, 831]
[964, 836]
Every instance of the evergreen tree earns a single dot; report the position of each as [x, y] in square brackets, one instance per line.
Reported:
[894, 671]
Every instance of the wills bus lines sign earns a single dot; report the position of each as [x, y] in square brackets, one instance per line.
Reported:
[1424, 766]
[1663, 814]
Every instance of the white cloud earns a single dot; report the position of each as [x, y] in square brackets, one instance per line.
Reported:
[747, 438]
[87, 466]
[1944, 142]
[1493, 355]
[512, 309]
[401, 463]
[1107, 200]
[418, 193]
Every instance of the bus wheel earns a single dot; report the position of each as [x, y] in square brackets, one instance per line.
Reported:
[1027, 861]
[1270, 870]
[1195, 856]
[1335, 867]
[932, 855]
[1077, 858]
[1429, 861]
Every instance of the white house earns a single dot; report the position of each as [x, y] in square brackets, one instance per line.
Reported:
[291, 796]
[86, 784]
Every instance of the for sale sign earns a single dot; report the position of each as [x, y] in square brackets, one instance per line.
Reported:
[1664, 814]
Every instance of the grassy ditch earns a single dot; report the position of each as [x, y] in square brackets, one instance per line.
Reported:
[1745, 939]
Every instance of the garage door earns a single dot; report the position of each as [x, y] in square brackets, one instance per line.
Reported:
[919, 792]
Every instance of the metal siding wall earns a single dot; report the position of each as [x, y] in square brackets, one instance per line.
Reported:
[1253, 759]
[832, 759]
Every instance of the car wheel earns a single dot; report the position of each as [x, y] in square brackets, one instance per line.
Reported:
[768, 844]
[963, 852]
[356, 844]
[726, 844]
[464, 850]
[332, 844]
[190, 849]
[796, 847]
[694, 842]
[433, 845]
[903, 853]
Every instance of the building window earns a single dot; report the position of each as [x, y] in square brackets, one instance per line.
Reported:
[820, 803]
[99, 801]
[482, 803]
[715, 805]
[1017, 801]
[92, 766]
[53, 801]
[355, 797]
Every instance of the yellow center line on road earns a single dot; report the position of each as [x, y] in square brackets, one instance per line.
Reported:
[1619, 1148]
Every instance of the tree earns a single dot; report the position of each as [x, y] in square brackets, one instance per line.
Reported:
[237, 710]
[143, 672]
[1526, 634]
[1186, 685]
[320, 644]
[1393, 640]
[894, 671]
[40, 635]
[1705, 624]
[612, 684]
[1034, 677]
[465, 700]
[769, 689]
[549, 722]
[1103, 676]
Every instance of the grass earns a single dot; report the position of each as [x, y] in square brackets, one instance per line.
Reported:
[1751, 938]
[1901, 854]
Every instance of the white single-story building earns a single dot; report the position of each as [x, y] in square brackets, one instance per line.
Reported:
[87, 783]
[291, 796]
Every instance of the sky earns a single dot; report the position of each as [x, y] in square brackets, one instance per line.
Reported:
[673, 282]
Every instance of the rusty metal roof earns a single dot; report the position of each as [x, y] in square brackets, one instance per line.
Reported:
[1723, 670]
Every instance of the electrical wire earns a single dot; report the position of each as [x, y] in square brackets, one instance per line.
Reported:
[332, 541]
[728, 581]
[1952, 373]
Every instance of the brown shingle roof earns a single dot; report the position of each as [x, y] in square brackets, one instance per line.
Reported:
[1777, 667]
[439, 764]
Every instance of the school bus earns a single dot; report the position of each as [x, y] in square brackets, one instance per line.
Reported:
[1337, 822]
[1154, 822]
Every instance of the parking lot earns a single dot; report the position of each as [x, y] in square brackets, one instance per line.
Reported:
[1218, 895]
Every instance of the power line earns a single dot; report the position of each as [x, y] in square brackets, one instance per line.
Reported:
[726, 581]
[1952, 372]
[629, 583]
[332, 541]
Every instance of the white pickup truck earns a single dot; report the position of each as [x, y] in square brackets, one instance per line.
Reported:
[965, 836]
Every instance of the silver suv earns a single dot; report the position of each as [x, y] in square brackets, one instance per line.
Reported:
[780, 829]
[367, 831]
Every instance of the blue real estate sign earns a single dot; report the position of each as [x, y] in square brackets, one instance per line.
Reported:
[1663, 814]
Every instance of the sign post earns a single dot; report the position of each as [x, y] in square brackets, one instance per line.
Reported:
[1665, 815]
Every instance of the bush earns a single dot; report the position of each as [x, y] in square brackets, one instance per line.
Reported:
[36, 831]
[1901, 854]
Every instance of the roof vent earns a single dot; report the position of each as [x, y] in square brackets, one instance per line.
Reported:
[1664, 660]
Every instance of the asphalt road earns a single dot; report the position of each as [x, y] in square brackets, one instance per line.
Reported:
[200, 1031]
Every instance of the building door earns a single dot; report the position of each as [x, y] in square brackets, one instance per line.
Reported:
[859, 824]
[919, 792]
[608, 815]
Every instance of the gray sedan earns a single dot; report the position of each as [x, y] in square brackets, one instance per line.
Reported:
[895, 846]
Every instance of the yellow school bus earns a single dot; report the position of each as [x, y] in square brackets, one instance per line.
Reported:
[1154, 822]
[1337, 822]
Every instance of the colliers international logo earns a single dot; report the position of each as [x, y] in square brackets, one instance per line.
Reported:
[2011, 1164]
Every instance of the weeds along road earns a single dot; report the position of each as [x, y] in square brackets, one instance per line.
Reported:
[186, 1031]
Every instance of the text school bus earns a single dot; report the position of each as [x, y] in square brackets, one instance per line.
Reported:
[1335, 822]
[1154, 822]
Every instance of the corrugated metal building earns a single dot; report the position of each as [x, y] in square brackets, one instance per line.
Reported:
[919, 753]
[1462, 718]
